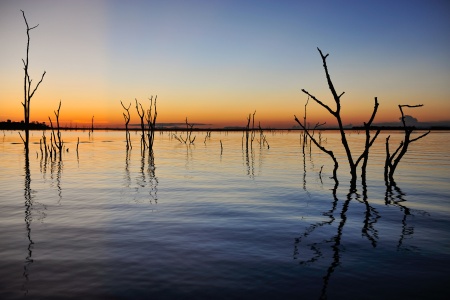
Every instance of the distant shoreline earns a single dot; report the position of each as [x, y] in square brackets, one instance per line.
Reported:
[436, 128]
[11, 125]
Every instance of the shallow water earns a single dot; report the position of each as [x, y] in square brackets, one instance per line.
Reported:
[200, 222]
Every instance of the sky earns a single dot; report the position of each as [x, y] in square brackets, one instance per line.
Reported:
[217, 61]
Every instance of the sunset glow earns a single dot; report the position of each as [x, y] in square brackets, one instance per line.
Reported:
[216, 62]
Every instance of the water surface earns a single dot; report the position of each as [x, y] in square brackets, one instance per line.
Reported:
[199, 221]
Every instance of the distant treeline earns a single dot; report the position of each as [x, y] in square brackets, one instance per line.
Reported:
[401, 127]
[11, 125]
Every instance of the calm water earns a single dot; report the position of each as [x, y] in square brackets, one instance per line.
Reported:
[201, 222]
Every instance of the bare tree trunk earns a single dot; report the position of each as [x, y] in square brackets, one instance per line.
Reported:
[393, 160]
[127, 121]
[140, 111]
[368, 142]
[305, 140]
[329, 152]
[28, 91]
[247, 131]
[57, 138]
[151, 121]
[337, 114]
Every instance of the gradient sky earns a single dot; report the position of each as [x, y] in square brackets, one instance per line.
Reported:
[217, 61]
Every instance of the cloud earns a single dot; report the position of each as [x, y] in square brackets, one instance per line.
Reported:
[410, 120]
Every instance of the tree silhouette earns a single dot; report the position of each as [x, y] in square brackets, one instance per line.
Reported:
[337, 114]
[392, 160]
[28, 90]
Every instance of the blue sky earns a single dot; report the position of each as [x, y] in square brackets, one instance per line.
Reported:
[217, 61]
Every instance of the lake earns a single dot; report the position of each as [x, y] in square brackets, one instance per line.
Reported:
[232, 222]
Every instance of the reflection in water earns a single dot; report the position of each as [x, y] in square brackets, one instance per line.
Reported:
[248, 155]
[59, 165]
[32, 207]
[394, 197]
[147, 177]
[56, 168]
[28, 218]
[153, 180]
[336, 247]
[370, 219]
[127, 167]
[315, 247]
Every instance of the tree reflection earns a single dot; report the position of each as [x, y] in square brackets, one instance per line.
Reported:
[153, 180]
[248, 155]
[127, 167]
[370, 218]
[147, 176]
[336, 247]
[56, 169]
[317, 249]
[28, 218]
[394, 196]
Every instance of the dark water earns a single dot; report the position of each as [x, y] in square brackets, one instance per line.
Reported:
[200, 223]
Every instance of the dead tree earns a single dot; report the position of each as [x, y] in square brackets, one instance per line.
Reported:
[28, 90]
[262, 137]
[247, 130]
[189, 129]
[253, 128]
[368, 142]
[392, 160]
[337, 114]
[127, 121]
[58, 142]
[140, 111]
[305, 140]
[329, 152]
[151, 122]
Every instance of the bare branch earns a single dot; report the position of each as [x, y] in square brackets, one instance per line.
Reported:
[124, 106]
[411, 106]
[22, 138]
[329, 152]
[320, 102]
[330, 83]
[419, 137]
[375, 109]
[318, 124]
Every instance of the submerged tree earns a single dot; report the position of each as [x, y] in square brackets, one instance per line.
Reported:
[127, 121]
[140, 111]
[189, 129]
[392, 160]
[337, 114]
[57, 141]
[151, 122]
[150, 117]
[28, 90]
